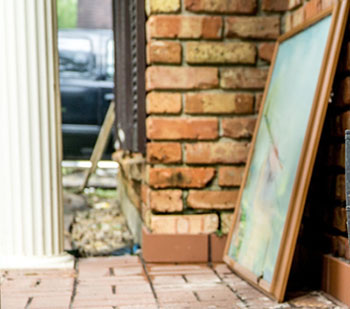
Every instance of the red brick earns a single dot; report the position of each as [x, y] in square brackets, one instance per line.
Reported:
[345, 58]
[327, 3]
[181, 128]
[219, 103]
[168, 299]
[293, 4]
[14, 302]
[243, 78]
[336, 155]
[339, 219]
[163, 103]
[298, 17]
[288, 23]
[163, 52]
[220, 295]
[230, 176]
[182, 177]
[212, 27]
[275, 5]
[53, 297]
[212, 199]
[336, 278]
[340, 187]
[221, 6]
[238, 127]
[217, 246]
[226, 52]
[184, 224]
[221, 152]
[178, 269]
[162, 77]
[347, 62]
[166, 200]
[252, 27]
[162, 6]
[342, 247]
[266, 51]
[184, 27]
[172, 248]
[312, 8]
[258, 101]
[164, 153]
[345, 91]
[342, 123]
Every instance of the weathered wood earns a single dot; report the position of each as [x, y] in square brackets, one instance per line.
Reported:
[130, 65]
[100, 145]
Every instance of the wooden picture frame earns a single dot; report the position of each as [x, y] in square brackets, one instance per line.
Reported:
[271, 200]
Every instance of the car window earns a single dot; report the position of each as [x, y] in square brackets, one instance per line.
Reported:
[76, 57]
[110, 60]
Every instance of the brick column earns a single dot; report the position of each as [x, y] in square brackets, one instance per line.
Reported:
[31, 227]
[207, 65]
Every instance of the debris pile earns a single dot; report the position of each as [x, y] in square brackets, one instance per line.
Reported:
[101, 228]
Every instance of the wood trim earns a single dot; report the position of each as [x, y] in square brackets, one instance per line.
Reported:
[309, 151]
[130, 65]
[141, 83]
[122, 52]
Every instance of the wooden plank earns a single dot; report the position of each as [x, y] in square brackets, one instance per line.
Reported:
[100, 144]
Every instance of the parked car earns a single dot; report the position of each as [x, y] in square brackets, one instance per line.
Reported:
[86, 80]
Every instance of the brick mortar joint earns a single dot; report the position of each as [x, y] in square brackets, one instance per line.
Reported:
[259, 12]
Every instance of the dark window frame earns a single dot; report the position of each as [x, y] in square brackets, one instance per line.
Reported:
[130, 64]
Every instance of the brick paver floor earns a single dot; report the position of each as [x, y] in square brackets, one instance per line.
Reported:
[126, 282]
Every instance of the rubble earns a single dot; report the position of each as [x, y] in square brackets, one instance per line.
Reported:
[94, 223]
[101, 229]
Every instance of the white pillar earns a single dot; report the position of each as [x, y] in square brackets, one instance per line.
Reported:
[31, 215]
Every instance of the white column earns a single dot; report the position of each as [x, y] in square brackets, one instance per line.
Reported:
[31, 215]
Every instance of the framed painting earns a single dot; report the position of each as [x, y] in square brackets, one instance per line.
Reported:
[270, 204]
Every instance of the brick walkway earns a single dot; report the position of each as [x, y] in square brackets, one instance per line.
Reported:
[126, 282]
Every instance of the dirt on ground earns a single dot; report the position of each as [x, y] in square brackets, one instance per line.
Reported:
[94, 223]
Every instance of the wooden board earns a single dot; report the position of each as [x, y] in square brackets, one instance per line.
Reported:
[100, 145]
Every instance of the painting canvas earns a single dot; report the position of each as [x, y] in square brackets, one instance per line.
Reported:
[265, 198]
[268, 188]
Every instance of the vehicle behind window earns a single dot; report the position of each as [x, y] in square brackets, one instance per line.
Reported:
[86, 82]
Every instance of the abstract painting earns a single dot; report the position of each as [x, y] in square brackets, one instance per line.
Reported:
[265, 198]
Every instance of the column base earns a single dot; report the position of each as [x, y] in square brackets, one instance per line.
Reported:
[64, 260]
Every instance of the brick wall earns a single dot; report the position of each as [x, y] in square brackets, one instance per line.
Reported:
[338, 120]
[207, 65]
[300, 10]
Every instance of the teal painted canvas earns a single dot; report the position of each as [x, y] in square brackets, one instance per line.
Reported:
[267, 192]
